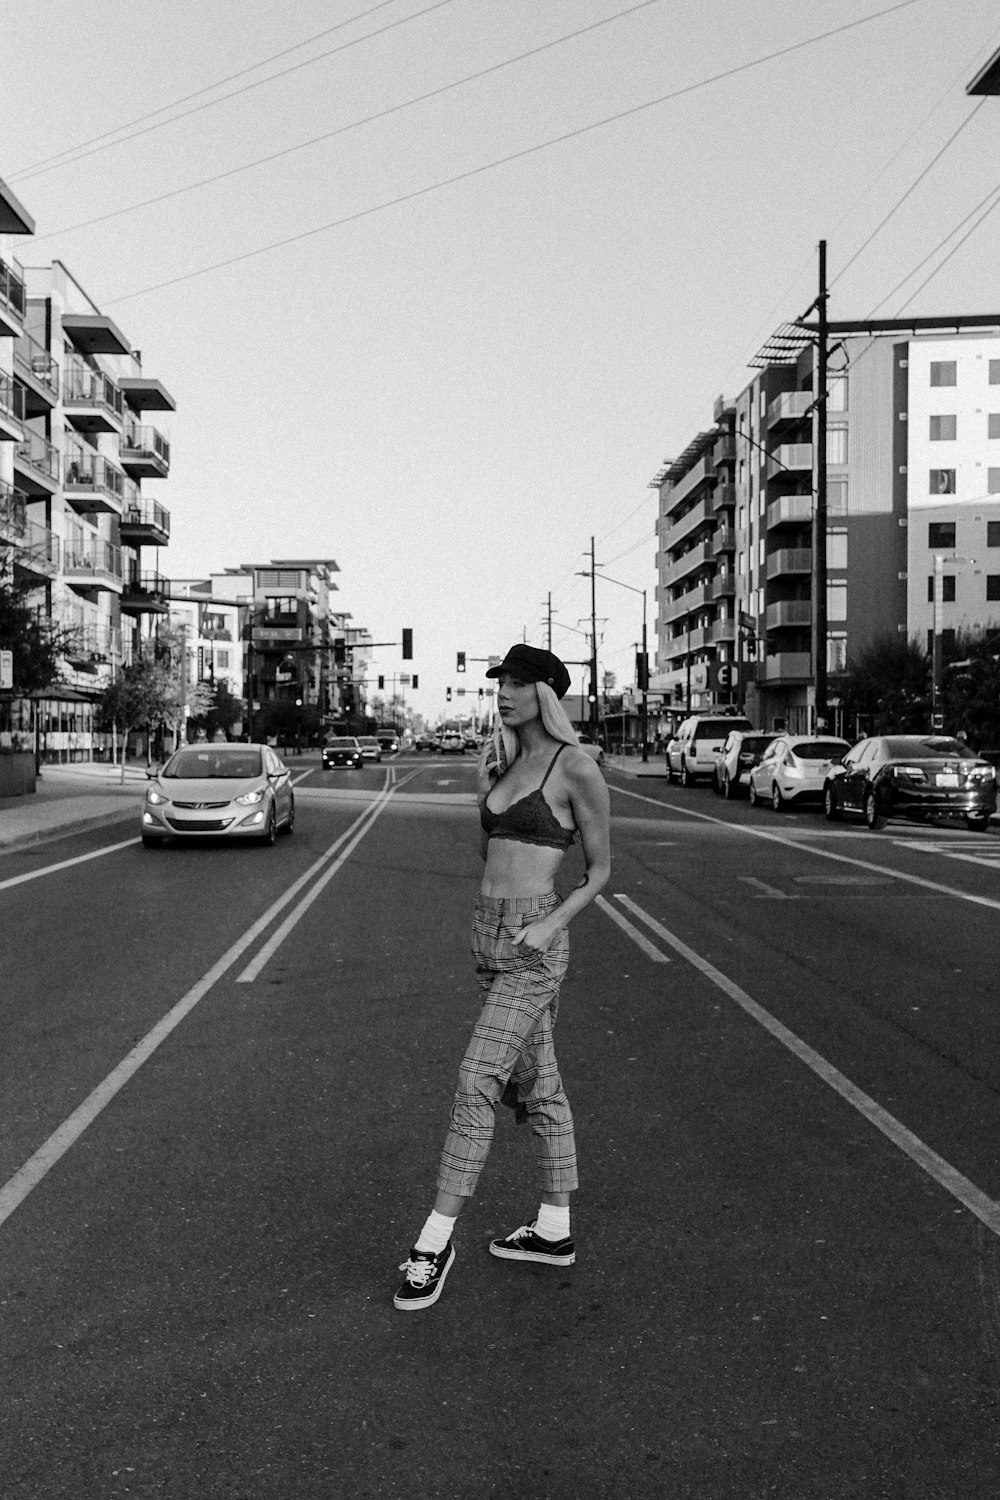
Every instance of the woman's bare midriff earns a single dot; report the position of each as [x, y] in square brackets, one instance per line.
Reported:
[515, 869]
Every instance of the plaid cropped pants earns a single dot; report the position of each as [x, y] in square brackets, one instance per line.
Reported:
[512, 1042]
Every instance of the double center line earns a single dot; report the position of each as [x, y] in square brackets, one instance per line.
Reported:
[26, 1178]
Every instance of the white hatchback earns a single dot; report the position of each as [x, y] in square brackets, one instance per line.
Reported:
[794, 769]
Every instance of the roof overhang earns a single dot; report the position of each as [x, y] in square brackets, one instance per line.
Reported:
[95, 333]
[146, 395]
[14, 218]
[987, 80]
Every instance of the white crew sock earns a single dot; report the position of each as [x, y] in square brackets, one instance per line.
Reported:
[436, 1233]
[552, 1223]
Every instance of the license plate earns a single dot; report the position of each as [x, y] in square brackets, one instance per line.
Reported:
[945, 778]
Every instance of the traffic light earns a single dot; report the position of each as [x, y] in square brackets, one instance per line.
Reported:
[642, 670]
[480, 693]
[339, 652]
[381, 684]
[447, 694]
[407, 643]
[460, 664]
[592, 693]
[416, 680]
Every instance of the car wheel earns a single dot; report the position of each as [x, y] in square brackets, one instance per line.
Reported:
[670, 772]
[150, 843]
[831, 810]
[777, 800]
[874, 816]
[290, 821]
[977, 822]
[271, 830]
[754, 799]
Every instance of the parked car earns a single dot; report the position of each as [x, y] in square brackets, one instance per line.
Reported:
[342, 750]
[369, 747]
[229, 791]
[794, 768]
[451, 743]
[912, 775]
[742, 751]
[691, 753]
[596, 752]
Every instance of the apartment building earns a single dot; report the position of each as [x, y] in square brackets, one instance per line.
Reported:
[212, 631]
[77, 453]
[913, 495]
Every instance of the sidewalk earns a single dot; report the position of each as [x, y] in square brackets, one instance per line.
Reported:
[633, 765]
[71, 798]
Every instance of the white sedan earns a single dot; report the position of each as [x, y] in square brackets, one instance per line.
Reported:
[794, 768]
[218, 791]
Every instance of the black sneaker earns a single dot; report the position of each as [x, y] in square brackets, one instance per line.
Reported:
[425, 1275]
[525, 1244]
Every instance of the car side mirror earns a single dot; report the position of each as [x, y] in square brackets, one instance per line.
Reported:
[152, 772]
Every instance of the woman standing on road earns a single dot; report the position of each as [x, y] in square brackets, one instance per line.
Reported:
[537, 788]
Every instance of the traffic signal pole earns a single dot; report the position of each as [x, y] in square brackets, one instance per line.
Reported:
[819, 507]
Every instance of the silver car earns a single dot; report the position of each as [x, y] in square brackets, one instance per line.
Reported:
[218, 791]
[794, 769]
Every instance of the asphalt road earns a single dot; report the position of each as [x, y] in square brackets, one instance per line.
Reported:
[224, 1081]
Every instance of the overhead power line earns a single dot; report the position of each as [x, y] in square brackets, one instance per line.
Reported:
[77, 155]
[343, 129]
[513, 156]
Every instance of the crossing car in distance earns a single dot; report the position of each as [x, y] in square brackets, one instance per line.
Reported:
[742, 750]
[911, 775]
[342, 750]
[218, 791]
[794, 768]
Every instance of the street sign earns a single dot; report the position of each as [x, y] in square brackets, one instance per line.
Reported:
[6, 669]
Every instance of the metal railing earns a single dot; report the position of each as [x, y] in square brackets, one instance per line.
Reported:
[11, 398]
[91, 471]
[37, 550]
[84, 386]
[147, 586]
[38, 362]
[95, 643]
[145, 442]
[12, 287]
[94, 558]
[147, 513]
[37, 453]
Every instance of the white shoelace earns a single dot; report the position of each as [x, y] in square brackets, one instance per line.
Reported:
[418, 1272]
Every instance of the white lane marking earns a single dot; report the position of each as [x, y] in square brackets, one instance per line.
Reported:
[844, 859]
[978, 854]
[986, 1209]
[639, 938]
[64, 864]
[276, 939]
[840, 880]
[41, 1162]
[766, 890]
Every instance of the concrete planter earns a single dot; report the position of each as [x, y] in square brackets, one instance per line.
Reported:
[17, 773]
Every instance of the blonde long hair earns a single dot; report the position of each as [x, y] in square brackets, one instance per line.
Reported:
[505, 747]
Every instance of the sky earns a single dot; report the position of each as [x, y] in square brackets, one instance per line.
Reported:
[450, 345]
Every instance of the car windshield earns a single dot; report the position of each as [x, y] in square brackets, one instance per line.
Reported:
[213, 765]
[340, 744]
[930, 748]
[367, 739]
[756, 742]
[819, 749]
[717, 729]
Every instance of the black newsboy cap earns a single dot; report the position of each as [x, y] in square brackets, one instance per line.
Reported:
[532, 664]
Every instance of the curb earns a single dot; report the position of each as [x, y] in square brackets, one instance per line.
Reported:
[65, 830]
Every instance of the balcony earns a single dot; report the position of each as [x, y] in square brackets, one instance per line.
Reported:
[11, 410]
[39, 374]
[724, 586]
[680, 567]
[145, 594]
[34, 548]
[789, 561]
[701, 514]
[699, 638]
[785, 666]
[699, 474]
[790, 510]
[724, 630]
[789, 408]
[724, 451]
[724, 497]
[145, 523]
[93, 644]
[12, 299]
[696, 598]
[93, 565]
[789, 614]
[36, 464]
[92, 483]
[144, 453]
[91, 400]
[724, 540]
[790, 458]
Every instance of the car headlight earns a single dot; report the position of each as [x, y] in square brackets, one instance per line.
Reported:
[249, 798]
[982, 773]
[156, 798]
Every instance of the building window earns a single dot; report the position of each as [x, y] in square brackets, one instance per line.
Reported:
[222, 660]
[836, 653]
[944, 372]
[941, 534]
[993, 424]
[942, 482]
[993, 585]
[993, 533]
[947, 639]
[995, 372]
[944, 429]
[836, 445]
[280, 605]
[742, 520]
[836, 601]
[836, 393]
[947, 588]
[836, 497]
[993, 481]
[836, 549]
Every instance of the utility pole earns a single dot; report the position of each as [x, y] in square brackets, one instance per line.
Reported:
[550, 618]
[819, 507]
[594, 711]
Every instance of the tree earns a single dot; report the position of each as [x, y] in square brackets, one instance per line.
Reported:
[223, 711]
[36, 642]
[970, 689]
[887, 686]
[138, 696]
